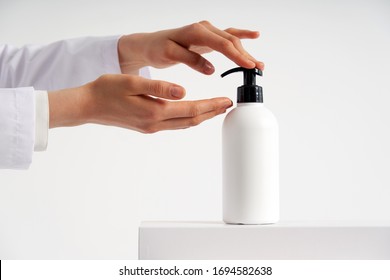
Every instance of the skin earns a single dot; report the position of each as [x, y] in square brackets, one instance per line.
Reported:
[130, 101]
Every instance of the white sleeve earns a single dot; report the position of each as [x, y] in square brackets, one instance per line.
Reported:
[24, 112]
[17, 124]
[62, 64]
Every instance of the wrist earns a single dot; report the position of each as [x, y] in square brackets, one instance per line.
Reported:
[130, 53]
[69, 107]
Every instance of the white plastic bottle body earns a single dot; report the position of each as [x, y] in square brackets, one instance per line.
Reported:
[250, 165]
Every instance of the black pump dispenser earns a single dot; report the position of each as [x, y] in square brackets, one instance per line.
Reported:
[249, 91]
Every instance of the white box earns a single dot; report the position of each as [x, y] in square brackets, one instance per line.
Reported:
[285, 240]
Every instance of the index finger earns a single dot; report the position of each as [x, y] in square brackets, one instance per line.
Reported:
[197, 34]
[243, 33]
[234, 35]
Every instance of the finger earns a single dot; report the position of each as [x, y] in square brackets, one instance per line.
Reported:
[236, 40]
[243, 33]
[192, 109]
[162, 89]
[182, 123]
[192, 59]
[247, 34]
[230, 47]
[199, 35]
[240, 33]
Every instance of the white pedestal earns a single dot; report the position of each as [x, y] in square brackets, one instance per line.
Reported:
[285, 240]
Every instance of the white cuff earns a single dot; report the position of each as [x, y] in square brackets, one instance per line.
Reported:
[41, 120]
[16, 127]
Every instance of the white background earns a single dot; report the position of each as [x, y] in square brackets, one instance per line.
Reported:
[327, 81]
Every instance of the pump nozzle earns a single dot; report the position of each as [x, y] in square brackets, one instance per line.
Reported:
[249, 91]
[249, 74]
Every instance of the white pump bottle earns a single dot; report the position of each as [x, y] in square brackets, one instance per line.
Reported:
[250, 162]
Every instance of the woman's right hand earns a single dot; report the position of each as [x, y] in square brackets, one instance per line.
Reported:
[186, 45]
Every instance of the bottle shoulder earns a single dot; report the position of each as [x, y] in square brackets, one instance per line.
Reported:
[248, 113]
[251, 116]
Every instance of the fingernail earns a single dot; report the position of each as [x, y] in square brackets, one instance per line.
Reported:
[177, 92]
[208, 68]
[261, 65]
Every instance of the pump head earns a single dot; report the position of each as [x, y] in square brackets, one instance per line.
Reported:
[249, 91]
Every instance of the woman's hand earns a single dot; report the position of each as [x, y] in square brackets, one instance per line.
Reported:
[185, 45]
[131, 102]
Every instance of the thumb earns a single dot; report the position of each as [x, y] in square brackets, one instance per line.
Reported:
[158, 88]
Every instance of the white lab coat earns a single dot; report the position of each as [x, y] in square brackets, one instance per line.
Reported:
[26, 70]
